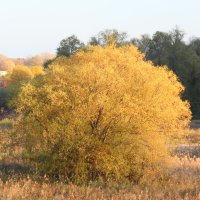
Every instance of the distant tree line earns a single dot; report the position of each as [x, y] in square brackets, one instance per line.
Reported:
[183, 59]
[163, 48]
[7, 64]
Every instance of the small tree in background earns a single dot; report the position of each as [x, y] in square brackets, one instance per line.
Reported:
[108, 37]
[21, 75]
[6, 64]
[69, 46]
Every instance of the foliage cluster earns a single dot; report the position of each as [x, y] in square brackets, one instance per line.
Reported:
[163, 48]
[183, 59]
[103, 114]
[18, 76]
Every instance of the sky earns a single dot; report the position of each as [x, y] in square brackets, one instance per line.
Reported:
[30, 27]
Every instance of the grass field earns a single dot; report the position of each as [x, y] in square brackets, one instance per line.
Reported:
[183, 180]
[184, 183]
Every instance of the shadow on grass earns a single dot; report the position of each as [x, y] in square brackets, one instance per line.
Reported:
[192, 151]
[13, 170]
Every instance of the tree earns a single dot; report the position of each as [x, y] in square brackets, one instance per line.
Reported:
[38, 60]
[103, 114]
[143, 43]
[163, 47]
[19, 76]
[195, 45]
[94, 41]
[69, 46]
[171, 50]
[6, 64]
[158, 48]
[108, 37]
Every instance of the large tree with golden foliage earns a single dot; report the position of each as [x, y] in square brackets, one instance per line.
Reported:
[102, 114]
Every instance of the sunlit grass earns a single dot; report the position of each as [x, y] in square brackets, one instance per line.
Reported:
[183, 183]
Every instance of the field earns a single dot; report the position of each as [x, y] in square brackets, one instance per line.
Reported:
[182, 182]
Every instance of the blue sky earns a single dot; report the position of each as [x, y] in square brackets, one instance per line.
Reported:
[30, 27]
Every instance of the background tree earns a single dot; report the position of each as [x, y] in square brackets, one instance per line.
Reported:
[143, 43]
[158, 48]
[109, 36]
[19, 76]
[171, 50]
[195, 45]
[69, 46]
[6, 64]
[38, 60]
[94, 41]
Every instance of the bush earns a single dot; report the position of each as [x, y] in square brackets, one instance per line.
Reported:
[19, 76]
[104, 114]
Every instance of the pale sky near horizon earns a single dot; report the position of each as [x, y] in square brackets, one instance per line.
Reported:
[30, 27]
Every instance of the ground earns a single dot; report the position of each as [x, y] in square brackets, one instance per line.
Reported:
[183, 181]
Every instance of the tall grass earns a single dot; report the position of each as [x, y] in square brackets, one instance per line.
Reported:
[183, 183]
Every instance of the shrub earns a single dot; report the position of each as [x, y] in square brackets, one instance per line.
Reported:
[19, 76]
[104, 114]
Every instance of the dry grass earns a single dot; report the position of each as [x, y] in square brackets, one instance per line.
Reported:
[183, 183]
[31, 190]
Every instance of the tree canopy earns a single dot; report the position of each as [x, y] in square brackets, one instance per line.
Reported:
[108, 37]
[69, 46]
[183, 59]
[19, 76]
[6, 64]
[102, 114]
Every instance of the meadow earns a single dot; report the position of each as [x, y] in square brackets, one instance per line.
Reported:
[182, 182]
